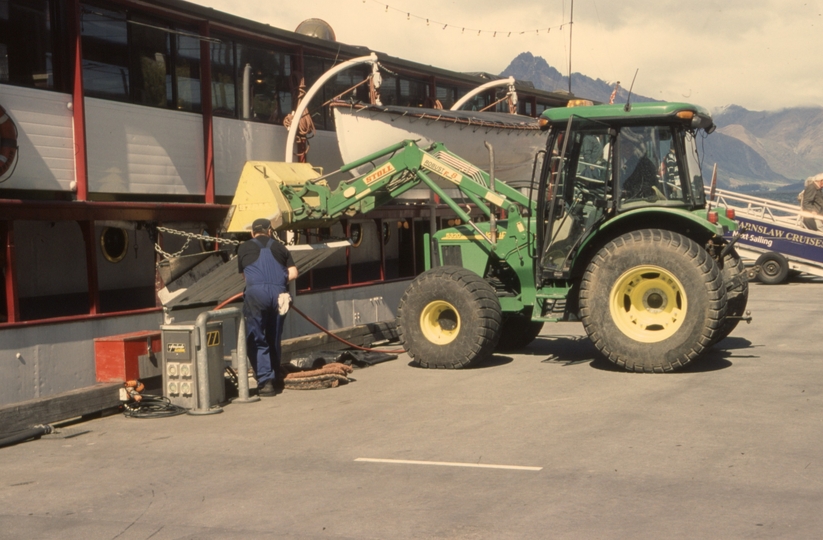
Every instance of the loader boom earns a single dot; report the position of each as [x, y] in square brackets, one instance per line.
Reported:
[305, 200]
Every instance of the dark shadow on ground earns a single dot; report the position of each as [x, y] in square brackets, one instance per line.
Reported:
[574, 350]
[495, 360]
[711, 361]
[732, 343]
[563, 350]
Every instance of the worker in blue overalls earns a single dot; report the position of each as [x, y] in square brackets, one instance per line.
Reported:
[267, 267]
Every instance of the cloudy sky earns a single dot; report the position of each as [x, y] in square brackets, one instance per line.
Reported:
[760, 54]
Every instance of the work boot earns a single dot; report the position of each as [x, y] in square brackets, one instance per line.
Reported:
[267, 390]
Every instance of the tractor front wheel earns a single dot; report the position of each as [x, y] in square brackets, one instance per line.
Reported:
[652, 300]
[448, 318]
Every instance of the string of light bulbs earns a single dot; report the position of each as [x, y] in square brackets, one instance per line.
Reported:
[546, 30]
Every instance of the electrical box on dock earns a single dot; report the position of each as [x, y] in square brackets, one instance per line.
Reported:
[180, 374]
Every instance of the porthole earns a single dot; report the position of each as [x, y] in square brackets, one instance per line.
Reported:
[114, 242]
[386, 232]
[356, 234]
[207, 245]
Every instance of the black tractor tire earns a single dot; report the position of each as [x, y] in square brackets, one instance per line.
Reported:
[448, 318]
[737, 293]
[774, 268]
[517, 333]
[652, 300]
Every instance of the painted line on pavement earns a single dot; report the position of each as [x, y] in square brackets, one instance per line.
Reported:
[450, 464]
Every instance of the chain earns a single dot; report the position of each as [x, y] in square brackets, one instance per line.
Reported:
[189, 237]
[194, 236]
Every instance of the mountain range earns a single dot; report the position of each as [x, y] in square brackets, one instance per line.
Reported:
[754, 150]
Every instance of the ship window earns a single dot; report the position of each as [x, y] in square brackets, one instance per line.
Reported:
[127, 57]
[270, 94]
[187, 73]
[475, 103]
[152, 69]
[413, 93]
[447, 95]
[27, 34]
[223, 95]
[105, 54]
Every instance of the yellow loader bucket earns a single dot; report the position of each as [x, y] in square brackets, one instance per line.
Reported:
[258, 193]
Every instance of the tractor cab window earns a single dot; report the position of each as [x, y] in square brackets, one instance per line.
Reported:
[650, 167]
[574, 194]
[693, 174]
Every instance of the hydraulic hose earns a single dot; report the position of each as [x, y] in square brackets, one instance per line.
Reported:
[32, 433]
[315, 323]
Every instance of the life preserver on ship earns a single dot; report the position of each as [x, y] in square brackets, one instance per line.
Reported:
[8, 144]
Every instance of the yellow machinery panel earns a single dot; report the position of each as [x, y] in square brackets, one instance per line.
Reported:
[258, 193]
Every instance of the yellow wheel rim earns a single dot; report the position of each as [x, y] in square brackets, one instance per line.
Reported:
[648, 304]
[440, 322]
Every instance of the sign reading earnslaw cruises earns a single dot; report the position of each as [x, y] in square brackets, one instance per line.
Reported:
[794, 242]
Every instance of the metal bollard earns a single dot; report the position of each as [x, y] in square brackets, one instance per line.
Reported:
[203, 393]
[242, 363]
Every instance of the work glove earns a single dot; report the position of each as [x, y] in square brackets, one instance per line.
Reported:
[283, 303]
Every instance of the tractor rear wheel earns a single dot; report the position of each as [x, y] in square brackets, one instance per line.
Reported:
[448, 318]
[664, 300]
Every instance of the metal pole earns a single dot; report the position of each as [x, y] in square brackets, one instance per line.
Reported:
[246, 103]
[571, 27]
[435, 258]
[203, 393]
[242, 365]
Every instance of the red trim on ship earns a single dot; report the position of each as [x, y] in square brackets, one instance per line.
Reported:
[208, 121]
[12, 305]
[77, 318]
[78, 104]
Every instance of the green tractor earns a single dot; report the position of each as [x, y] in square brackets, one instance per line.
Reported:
[613, 230]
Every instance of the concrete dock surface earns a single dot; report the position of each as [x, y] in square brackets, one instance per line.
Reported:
[551, 442]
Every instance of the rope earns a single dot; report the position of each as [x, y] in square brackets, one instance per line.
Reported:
[306, 125]
[486, 108]
[344, 92]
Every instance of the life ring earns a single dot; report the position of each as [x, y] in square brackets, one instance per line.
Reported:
[8, 142]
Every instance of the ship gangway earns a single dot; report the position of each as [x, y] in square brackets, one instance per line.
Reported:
[774, 242]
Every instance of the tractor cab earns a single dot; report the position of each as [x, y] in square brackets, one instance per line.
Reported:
[603, 161]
